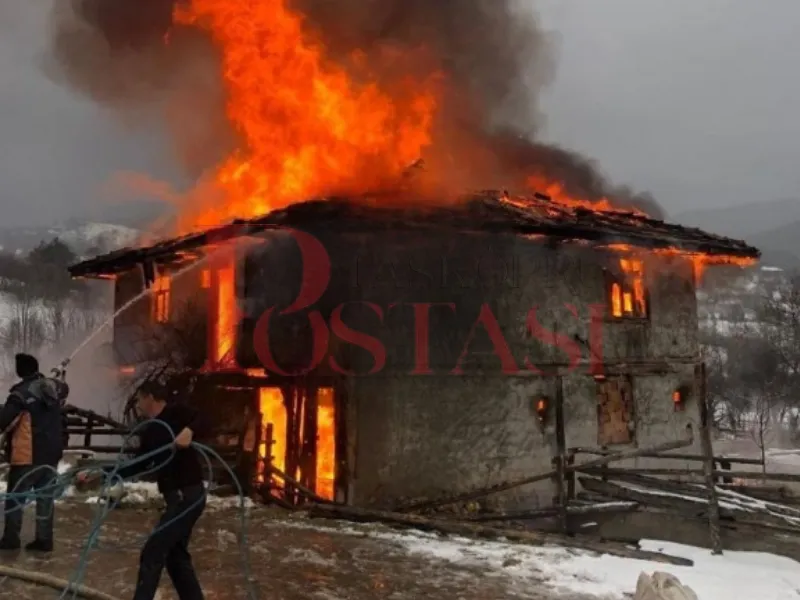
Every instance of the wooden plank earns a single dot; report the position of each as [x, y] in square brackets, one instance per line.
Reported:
[539, 513]
[686, 504]
[561, 449]
[674, 456]
[756, 475]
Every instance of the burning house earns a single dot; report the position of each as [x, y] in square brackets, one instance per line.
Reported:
[371, 353]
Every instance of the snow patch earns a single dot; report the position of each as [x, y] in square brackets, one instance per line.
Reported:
[732, 575]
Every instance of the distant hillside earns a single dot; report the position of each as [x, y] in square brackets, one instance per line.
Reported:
[772, 227]
[83, 238]
[743, 221]
[780, 246]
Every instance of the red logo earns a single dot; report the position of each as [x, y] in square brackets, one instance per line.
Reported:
[316, 276]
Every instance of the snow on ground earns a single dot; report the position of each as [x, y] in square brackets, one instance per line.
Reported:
[732, 575]
[566, 571]
[144, 492]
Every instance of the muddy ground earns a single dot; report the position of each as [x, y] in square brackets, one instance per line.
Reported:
[290, 561]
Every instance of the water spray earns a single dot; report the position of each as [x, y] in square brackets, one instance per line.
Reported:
[60, 371]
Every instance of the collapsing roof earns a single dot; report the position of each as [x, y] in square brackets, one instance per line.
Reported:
[489, 212]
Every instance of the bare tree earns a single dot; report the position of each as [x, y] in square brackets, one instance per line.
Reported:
[762, 426]
[24, 330]
[779, 315]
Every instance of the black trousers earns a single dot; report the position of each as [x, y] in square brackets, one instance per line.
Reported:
[168, 547]
[28, 479]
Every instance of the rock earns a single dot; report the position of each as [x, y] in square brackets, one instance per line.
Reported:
[662, 586]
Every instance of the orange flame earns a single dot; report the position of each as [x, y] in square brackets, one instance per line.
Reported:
[699, 260]
[616, 300]
[556, 192]
[307, 127]
[273, 412]
[160, 303]
[326, 444]
[227, 319]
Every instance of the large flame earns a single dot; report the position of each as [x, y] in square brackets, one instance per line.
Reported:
[308, 127]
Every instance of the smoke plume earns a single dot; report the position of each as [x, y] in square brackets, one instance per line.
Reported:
[495, 59]
[117, 54]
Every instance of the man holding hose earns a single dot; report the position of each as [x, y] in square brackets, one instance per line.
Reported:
[165, 449]
[33, 421]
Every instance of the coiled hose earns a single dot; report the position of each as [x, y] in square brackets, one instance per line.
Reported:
[73, 588]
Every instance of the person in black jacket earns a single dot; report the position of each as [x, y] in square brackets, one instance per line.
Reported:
[180, 481]
[32, 421]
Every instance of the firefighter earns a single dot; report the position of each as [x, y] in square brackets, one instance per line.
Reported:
[32, 423]
[180, 481]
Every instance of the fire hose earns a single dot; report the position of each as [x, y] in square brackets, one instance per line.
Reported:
[56, 583]
[73, 586]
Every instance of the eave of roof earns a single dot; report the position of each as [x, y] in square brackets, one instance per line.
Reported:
[489, 212]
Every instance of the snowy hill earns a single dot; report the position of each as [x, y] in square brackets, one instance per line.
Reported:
[83, 238]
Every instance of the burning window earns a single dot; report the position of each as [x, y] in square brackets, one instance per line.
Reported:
[160, 305]
[615, 414]
[628, 297]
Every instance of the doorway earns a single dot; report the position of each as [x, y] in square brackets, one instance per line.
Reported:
[297, 437]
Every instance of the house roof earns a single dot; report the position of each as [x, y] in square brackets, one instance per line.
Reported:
[490, 212]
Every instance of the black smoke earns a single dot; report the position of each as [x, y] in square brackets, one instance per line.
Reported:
[495, 59]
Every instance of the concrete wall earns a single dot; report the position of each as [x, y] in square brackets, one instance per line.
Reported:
[137, 337]
[425, 435]
[415, 435]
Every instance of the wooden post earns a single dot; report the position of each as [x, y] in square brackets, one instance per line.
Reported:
[725, 465]
[257, 475]
[571, 473]
[708, 450]
[561, 454]
[87, 436]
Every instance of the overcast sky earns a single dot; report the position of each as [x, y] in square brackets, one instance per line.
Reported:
[694, 100]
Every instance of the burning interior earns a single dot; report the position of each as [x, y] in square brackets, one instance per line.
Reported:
[443, 336]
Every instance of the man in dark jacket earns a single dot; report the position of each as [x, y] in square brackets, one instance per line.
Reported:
[32, 421]
[180, 481]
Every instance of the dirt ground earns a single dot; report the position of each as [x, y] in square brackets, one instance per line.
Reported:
[289, 562]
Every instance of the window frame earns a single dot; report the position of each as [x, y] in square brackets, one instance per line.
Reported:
[161, 297]
[627, 287]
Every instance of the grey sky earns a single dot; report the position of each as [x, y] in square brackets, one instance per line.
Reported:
[693, 100]
[58, 152]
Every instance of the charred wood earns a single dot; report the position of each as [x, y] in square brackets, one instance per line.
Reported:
[293, 483]
[581, 509]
